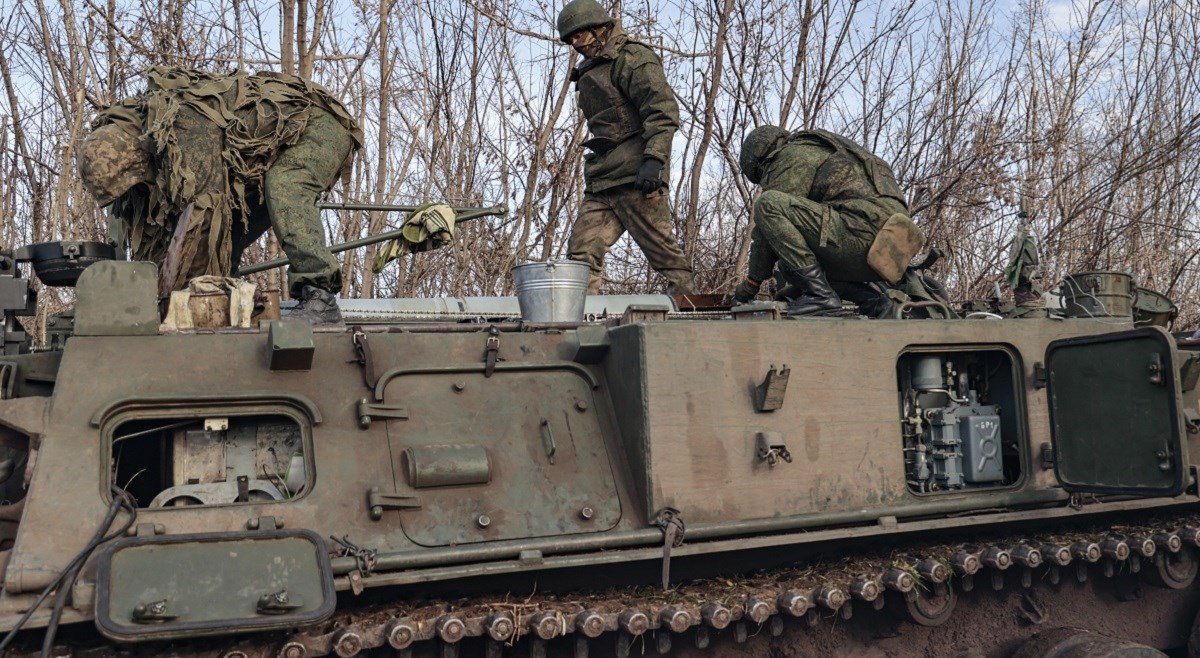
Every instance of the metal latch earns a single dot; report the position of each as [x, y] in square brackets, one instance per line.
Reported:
[769, 394]
[1191, 419]
[362, 349]
[491, 351]
[377, 501]
[771, 448]
[368, 411]
[155, 612]
[1040, 377]
[8, 379]
[277, 603]
[1047, 456]
[673, 528]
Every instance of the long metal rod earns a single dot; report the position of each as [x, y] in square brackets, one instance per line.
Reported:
[725, 545]
[391, 207]
[461, 215]
[412, 559]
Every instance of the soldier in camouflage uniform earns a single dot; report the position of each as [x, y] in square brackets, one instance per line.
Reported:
[829, 210]
[632, 116]
[200, 165]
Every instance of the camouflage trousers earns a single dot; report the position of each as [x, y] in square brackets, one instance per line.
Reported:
[605, 215]
[803, 232]
[288, 203]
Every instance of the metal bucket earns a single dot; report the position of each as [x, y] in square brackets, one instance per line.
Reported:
[553, 291]
[1098, 295]
[1153, 308]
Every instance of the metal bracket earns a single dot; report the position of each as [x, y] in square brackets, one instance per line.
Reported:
[768, 396]
[277, 603]
[1189, 374]
[644, 313]
[148, 529]
[8, 379]
[155, 612]
[548, 440]
[377, 501]
[1191, 419]
[1166, 458]
[1156, 369]
[265, 523]
[771, 448]
[1040, 376]
[368, 411]
[1047, 456]
[362, 349]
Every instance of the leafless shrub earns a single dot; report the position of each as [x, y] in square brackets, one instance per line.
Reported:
[1086, 112]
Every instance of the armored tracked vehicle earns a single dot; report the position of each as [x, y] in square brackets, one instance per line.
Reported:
[443, 476]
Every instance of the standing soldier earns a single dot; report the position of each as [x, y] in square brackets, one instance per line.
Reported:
[828, 206]
[632, 116]
[200, 165]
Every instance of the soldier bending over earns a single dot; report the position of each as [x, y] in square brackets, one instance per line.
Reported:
[200, 165]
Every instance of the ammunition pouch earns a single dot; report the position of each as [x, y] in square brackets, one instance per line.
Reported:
[921, 296]
[894, 246]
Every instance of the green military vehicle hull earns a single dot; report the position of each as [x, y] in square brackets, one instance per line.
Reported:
[284, 490]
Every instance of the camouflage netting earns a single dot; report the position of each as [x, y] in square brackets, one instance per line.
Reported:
[200, 126]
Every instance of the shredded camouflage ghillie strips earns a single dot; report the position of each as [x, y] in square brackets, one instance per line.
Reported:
[212, 140]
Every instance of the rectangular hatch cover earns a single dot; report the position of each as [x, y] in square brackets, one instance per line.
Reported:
[1114, 413]
[170, 587]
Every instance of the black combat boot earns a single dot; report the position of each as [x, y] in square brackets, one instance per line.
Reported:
[817, 298]
[316, 306]
[871, 298]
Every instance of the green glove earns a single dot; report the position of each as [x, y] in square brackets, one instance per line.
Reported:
[746, 291]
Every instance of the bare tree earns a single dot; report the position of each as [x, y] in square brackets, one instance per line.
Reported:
[1086, 113]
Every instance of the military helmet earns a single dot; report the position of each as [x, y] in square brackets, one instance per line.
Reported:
[581, 15]
[111, 160]
[756, 146]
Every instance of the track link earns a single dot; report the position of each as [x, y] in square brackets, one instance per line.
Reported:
[918, 584]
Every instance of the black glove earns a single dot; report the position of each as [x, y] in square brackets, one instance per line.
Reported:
[649, 177]
[746, 291]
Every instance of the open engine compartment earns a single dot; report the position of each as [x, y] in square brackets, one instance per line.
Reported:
[961, 419]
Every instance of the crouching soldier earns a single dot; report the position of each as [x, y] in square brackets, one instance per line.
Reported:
[829, 210]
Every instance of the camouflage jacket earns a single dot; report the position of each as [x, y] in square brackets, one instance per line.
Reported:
[212, 139]
[832, 170]
[630, 111]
